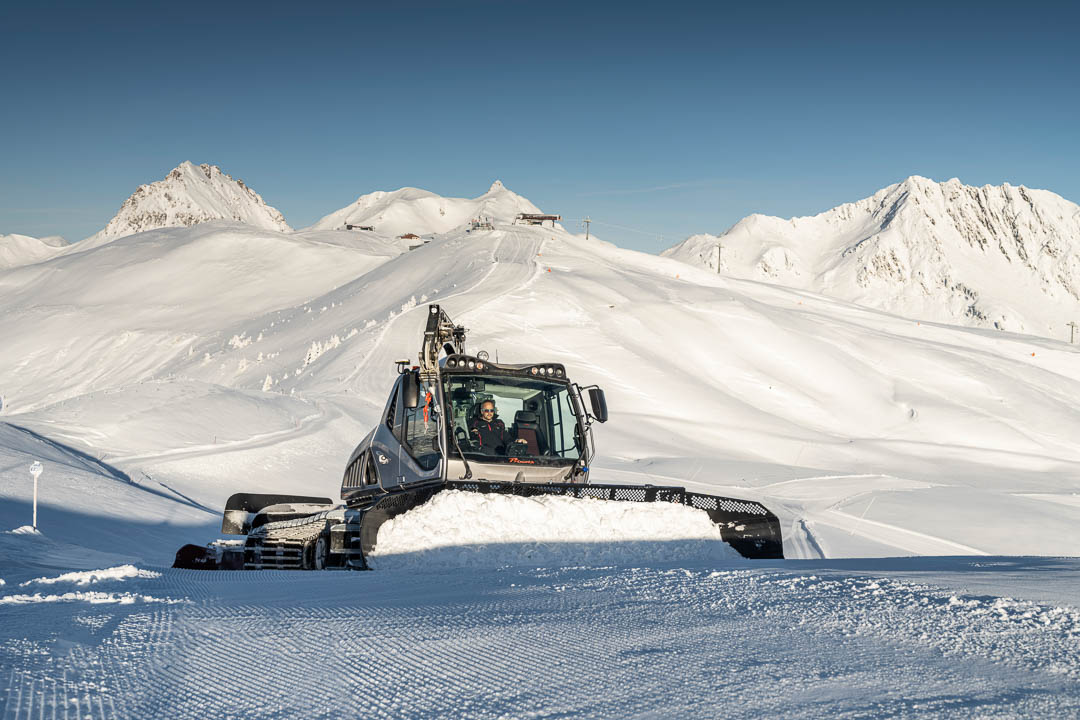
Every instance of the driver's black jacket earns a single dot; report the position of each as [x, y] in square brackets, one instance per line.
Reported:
[489, 436]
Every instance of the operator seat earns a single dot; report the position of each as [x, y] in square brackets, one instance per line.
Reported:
[527, 427]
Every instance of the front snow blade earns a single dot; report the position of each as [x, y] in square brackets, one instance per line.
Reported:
[747, 526]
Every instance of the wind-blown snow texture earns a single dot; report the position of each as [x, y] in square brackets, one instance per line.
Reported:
[158, 373]
[996, 257]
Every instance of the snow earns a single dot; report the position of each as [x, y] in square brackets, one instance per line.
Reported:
[411, 210]
[462, 529]
[90, 577]
[92, 597]
[16, 250]
[925, 475]
[188, 195]
[683, 641]
[995, 257]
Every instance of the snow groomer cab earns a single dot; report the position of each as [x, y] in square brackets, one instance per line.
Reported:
[458, 416]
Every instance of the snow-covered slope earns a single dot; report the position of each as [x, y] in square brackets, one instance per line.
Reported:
[132, 309]
[18, 250]
[189, 195]
[155, 375]
[410, 210]
[198, 354]
[996, 257]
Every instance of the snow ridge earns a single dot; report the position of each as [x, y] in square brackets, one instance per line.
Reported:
[189, 195]
[411, 210]
[997, 256]
[16, 250]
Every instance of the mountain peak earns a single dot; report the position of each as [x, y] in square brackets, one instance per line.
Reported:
[188, 195]
[996, 256]
[918, 181]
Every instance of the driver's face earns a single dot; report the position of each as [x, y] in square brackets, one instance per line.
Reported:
[487, 411]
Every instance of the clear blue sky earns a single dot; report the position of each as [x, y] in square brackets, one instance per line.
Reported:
[669, 118]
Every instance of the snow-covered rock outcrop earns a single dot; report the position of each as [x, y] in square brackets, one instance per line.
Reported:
[189, 195]
[996, 256]
[16, 250]
[411, 210]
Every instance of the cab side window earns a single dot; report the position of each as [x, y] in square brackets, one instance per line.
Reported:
[421, 433]
[393, 406]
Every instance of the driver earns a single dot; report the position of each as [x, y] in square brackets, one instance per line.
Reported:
[488, 433]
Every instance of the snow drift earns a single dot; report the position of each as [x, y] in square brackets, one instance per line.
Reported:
[16, 250]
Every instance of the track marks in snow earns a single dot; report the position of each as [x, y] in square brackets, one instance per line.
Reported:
[1026, 635]
[572, 641]
[93, 674]
[511, 265]
[909, 541]
[801, 542]
[90, 661]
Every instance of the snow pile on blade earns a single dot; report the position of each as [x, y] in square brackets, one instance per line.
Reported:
[464, 529]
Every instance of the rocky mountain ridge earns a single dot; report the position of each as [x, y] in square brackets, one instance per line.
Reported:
[1000, 257]
[190, 194]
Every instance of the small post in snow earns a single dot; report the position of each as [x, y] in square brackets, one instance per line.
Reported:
[1072, 332]
[719, 249]
[36, 469]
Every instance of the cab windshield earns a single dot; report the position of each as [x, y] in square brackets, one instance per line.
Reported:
[512, 420]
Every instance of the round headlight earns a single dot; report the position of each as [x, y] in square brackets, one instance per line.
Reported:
[479, 366]
[558, 372]
[472, 363]
[535, 370]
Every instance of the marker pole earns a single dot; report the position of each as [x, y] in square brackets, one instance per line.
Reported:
[36, 469]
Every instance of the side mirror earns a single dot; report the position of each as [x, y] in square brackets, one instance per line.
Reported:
[599, 404]
[410, 390]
